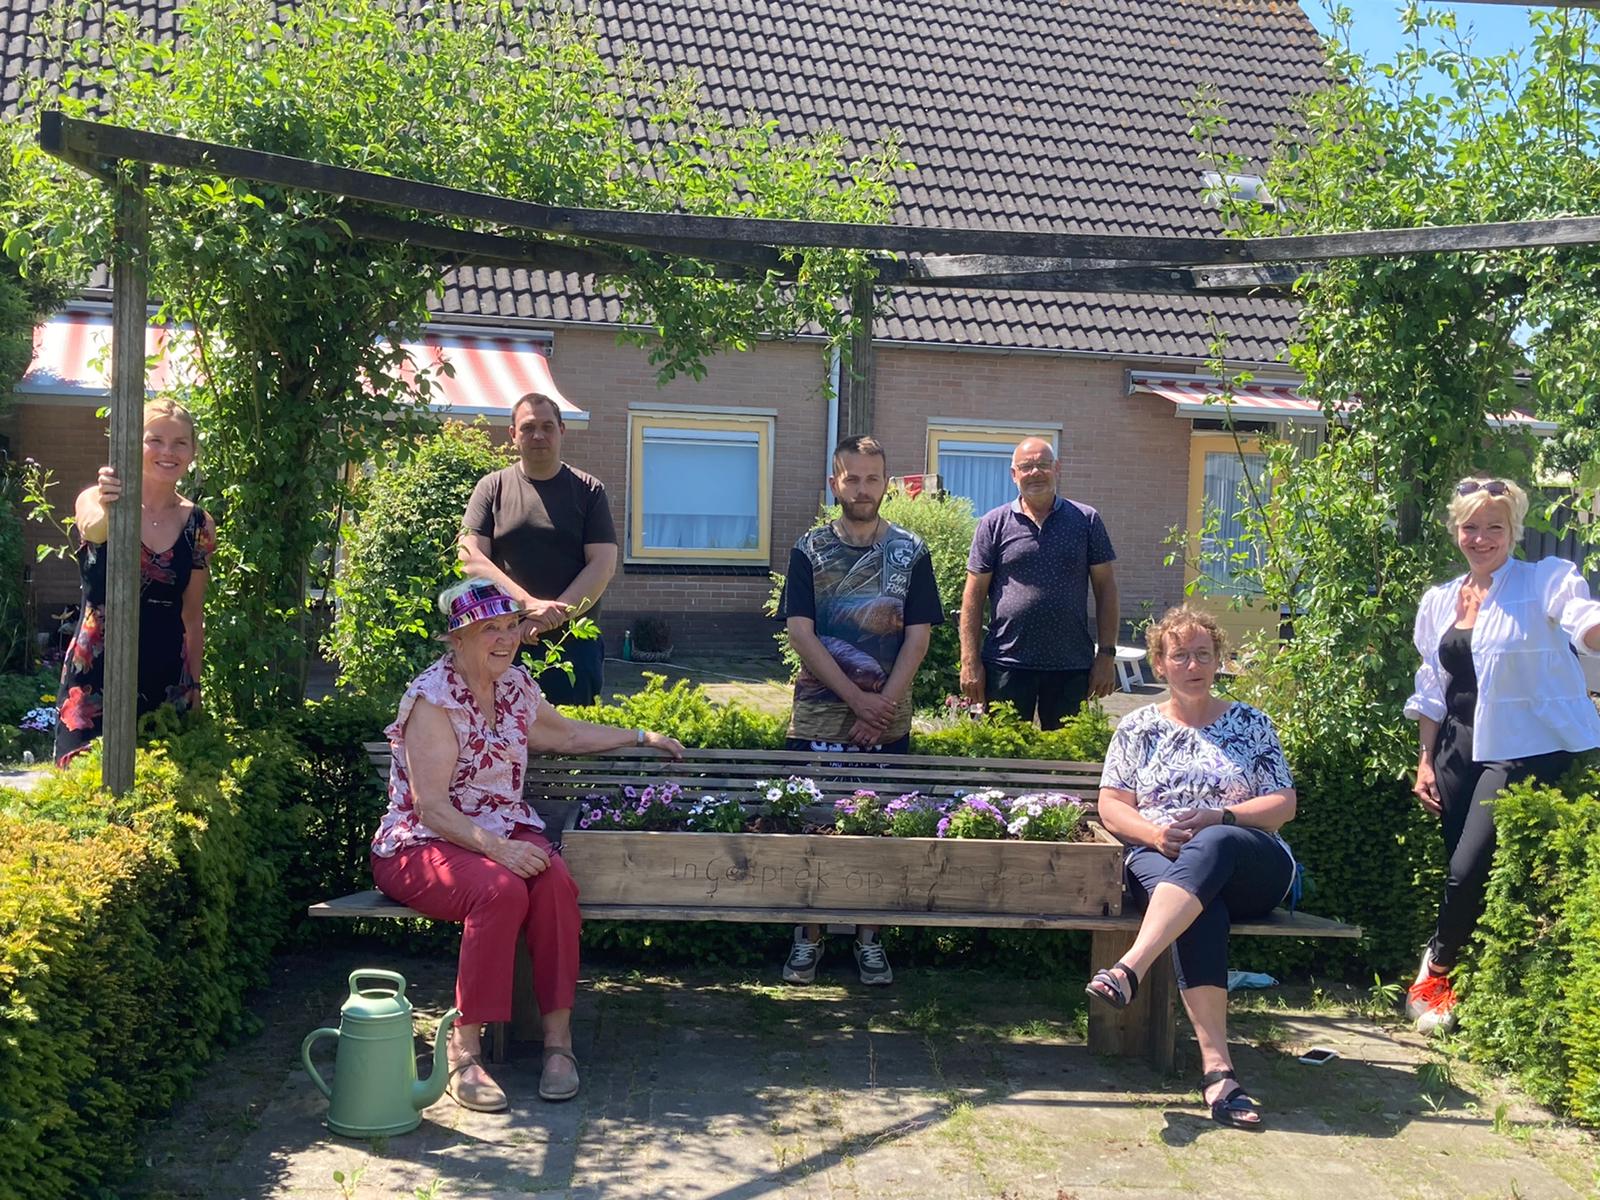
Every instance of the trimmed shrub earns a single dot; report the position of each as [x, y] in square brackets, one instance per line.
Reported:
[400, 552]
[130, 930]
[1531, 999]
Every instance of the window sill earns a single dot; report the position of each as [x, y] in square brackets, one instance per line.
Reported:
[725, 570]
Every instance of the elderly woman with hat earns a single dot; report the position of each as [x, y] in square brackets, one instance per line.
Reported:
[459, 842]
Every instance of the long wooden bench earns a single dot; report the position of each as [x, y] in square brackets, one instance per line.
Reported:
[1146, 1028]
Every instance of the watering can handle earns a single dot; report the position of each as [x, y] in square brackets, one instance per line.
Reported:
[305, 1058]
[391, 977]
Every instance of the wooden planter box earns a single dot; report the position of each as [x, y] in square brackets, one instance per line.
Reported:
[774, 876]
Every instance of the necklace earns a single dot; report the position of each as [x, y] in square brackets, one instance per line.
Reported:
[877, 528]
[161, 513]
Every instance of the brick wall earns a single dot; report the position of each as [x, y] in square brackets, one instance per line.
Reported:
[70, 440]
[603, 378]
[1127, 456]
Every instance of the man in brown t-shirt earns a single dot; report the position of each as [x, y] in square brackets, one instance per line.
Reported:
[543, 531]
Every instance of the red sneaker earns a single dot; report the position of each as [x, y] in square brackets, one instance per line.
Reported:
[1431, 1002]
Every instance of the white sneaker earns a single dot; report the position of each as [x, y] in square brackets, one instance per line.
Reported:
[1431, 1001]
[801, 965]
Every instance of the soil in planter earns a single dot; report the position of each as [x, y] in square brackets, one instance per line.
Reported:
[767, 824]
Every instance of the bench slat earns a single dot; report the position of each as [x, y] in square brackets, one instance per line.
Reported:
[808, 757]
[1278, 923]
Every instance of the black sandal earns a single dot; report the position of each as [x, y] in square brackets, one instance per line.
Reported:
[1234, 1108]
[1103, 986]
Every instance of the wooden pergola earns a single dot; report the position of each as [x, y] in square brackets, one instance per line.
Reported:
[737, 247]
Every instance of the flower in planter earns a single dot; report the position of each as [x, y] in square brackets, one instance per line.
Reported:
[716, 814]
[598, 814]
[975, 816]
[788, 799]
[653, 807]
[913, 815]
[862, 813]
[1046, 817]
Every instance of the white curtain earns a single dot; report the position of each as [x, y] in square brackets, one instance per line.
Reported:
[980, 471]
[1227, 496]
[701, 489]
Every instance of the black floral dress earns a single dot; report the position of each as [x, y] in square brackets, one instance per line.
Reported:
[164, 676]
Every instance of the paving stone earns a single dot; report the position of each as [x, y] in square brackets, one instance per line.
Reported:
[712, 1087]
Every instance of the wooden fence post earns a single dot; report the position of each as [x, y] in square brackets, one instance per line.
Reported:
[129, 297]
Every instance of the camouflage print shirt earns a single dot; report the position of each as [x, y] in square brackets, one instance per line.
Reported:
[861, 599]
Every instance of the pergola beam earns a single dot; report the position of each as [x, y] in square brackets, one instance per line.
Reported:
[93, 145]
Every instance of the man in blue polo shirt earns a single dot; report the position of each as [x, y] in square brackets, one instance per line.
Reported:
[1033, 562]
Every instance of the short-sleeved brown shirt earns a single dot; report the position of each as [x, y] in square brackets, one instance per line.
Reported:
[537, 528]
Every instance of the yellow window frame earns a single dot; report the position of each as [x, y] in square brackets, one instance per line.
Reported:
[638, 424]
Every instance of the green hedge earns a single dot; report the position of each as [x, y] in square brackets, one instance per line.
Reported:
[1531, 993]
[131, 929]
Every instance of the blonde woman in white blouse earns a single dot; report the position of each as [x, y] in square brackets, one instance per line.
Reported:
[1500, 698]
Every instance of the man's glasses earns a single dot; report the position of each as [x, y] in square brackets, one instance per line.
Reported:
[1495, 487]
[1200, 658]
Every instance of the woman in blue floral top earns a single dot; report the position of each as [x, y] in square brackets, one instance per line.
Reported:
[1197, 787]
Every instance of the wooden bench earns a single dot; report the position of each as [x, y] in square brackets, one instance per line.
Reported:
[1146, 1028]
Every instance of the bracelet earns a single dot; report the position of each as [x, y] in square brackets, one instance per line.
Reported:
[638, 737]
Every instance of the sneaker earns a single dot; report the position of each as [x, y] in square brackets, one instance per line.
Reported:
[801, 966]
[1431, 1001]
[873, 964]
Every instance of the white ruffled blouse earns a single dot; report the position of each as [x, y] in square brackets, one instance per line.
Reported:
[1532, 697]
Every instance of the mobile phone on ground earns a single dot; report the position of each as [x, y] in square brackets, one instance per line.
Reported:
[1318, 1055]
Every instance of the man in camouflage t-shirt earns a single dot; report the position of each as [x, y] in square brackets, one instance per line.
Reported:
[860, 601]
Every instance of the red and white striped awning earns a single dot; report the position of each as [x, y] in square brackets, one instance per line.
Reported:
[1268, 400]
[488, 373]
[72, 357]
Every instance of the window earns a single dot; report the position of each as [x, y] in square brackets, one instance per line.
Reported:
[975, 461]
[701, 488]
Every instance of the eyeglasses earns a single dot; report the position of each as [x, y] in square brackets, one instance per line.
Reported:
[1495, 487]
[1200, 658]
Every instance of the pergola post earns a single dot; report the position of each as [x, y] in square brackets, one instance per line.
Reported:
[129, 298]
[855, 409]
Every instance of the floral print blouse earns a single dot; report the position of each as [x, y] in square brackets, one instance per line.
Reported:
[491, 762]
[1169, 767]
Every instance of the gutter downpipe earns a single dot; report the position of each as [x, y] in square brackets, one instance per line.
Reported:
[834, 371]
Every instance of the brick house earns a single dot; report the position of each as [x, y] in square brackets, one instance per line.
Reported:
[1033, 114]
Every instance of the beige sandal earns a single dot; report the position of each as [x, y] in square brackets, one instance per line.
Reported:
[479, 1097]
[548, 1088]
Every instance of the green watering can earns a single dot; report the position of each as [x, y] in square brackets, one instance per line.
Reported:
[375, 1090]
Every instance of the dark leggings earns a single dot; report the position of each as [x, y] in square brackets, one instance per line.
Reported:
[1234, 872]
[1466, 818]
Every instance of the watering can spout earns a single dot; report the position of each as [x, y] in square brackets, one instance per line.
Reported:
[427, 1091]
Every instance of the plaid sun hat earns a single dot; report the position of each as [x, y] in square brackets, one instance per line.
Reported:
[480, 602]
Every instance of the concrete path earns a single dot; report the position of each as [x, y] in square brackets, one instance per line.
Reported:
[950, 1084]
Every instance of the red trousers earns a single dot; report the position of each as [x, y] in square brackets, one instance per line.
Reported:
[444, 881]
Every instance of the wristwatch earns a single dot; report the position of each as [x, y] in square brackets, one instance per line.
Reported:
[1228, 818]
[1107, 651]
[638, 737]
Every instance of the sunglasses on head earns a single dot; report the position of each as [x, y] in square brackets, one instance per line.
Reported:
[1495, 487]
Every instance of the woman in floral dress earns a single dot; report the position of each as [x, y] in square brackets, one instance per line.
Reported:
[177, 538]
